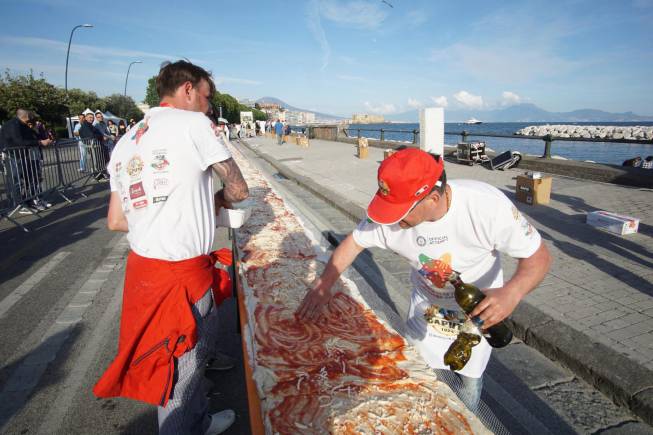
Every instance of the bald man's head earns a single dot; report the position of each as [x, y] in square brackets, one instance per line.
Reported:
[23, 115]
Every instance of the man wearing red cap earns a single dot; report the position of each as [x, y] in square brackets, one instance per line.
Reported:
[437, 226]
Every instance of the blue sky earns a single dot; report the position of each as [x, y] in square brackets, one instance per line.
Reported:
[344, 57]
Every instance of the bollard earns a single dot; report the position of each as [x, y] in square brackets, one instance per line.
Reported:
[359, 133]
[464, 135]
[382, 135]
[415, 132]
[547, 146]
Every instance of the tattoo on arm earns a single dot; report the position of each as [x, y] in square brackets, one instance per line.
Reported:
[235, 187]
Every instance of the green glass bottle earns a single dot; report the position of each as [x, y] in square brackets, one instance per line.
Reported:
[468, 296]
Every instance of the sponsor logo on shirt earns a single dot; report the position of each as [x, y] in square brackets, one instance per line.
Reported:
[125, 204]
[136, 190]
[161, 183]
[159, 199]
[525, 225]
[159, 162]
[140, 204]
[445, 323]
[435, 270]
[135, 166]
[140, 130]
[431, 240]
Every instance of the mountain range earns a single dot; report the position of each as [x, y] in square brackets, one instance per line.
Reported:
[524, 112]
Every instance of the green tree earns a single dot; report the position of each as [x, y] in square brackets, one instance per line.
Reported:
[79, 100]
[30, 93]
[122, 106]
[151, 96]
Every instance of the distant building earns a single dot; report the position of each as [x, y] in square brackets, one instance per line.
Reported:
[363, 118]
[300, 117]
[143, 107]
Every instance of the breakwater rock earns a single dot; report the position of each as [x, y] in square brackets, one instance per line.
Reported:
[589, 131]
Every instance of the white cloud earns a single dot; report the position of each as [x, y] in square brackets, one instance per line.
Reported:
[381, 109]
[81, 49]
[469, 100]
[440, 101]
[509, 98]
[414, 104]
[314, 24]
[365, 14]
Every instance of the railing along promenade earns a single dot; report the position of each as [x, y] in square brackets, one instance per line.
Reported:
[603, 172]
[464, 135]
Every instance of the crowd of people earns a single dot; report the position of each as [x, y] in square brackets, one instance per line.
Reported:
[24, 166]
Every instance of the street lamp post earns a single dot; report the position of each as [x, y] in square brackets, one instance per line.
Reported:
[127, 78]
[70, 40]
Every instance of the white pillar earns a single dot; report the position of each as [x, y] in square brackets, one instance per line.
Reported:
[431, 130]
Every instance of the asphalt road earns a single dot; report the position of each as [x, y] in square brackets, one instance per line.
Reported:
[60, 290]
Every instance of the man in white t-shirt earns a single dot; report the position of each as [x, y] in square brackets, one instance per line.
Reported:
[162, 196]
[438, 226]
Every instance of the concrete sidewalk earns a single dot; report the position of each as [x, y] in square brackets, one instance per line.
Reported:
[594, 310]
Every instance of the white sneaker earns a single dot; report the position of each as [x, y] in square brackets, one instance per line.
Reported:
[25, 210]
[36, 204]
[220, 422]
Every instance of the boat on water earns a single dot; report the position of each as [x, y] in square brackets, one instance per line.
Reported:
[472, 121]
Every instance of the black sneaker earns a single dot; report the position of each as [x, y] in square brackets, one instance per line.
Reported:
[220, 362]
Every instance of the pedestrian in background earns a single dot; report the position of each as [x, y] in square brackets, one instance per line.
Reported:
[24, 161]
[122, 128]
[278, 130]
[113, 129]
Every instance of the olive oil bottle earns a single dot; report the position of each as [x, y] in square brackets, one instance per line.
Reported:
[468, 296]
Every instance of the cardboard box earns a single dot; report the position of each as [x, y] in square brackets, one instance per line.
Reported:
[387, 153]
[613, 222]
[533, 191]
[362, 152]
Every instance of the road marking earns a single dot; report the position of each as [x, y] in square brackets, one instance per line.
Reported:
[28, 372]
[12, 298]
[73, 382]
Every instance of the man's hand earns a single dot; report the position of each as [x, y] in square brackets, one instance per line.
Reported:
[500, 302]
[315, 303]
[317, 299]
[220, 201]
[45, 142]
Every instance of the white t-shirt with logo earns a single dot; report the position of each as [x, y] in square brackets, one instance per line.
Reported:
[162, 171]
[480, 223]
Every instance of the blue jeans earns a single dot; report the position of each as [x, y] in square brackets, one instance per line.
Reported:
[82, 156]
[467, 389]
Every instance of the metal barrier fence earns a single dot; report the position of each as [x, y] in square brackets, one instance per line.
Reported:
[32, 174]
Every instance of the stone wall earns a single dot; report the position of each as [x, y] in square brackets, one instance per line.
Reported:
[589, 131]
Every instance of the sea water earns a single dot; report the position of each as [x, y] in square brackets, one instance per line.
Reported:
[600, 152]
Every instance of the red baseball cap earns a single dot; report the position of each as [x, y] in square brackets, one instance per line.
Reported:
[404, 178]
